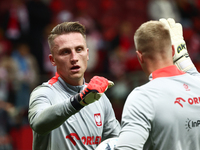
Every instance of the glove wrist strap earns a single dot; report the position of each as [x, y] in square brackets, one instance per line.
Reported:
[75, 102]
[184, 63]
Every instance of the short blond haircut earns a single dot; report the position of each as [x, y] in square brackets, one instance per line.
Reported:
[152, 37]
[64, 28]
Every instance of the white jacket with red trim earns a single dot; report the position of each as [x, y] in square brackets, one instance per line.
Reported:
[164, 113]
[58, 126]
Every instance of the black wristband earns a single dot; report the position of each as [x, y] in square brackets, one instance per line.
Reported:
[75, 103]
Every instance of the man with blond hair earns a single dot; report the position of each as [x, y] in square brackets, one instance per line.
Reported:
[162, 114]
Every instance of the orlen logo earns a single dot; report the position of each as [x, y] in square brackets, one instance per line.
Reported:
[89, 140]
[191, 101]
[192, 124]
[179, 100]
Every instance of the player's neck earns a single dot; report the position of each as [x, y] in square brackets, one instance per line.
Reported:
[153, 66]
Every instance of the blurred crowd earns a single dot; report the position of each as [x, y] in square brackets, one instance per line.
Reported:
[110, 25]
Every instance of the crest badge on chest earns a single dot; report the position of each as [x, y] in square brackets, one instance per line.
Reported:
[98, 120]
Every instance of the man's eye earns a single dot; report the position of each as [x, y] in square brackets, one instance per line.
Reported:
[66, 52]
[79, 49]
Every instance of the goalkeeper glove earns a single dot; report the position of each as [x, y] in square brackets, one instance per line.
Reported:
[94, 90]
[181, 57]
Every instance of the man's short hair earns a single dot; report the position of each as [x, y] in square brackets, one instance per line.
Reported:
[64, 28]
[152, 36]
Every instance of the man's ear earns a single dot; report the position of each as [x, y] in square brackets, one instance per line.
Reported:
[139, 56]
[173, 51]
[52, 60]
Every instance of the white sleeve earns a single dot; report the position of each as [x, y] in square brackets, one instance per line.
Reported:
[43, 116]
[136, 122]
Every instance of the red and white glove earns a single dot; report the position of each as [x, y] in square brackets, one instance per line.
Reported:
[94, 90]
[181, 57]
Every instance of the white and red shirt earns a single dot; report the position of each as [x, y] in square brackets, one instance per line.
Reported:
[164, 113]
[57, 125]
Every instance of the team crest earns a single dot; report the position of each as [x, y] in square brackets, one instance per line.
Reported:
[97, 118]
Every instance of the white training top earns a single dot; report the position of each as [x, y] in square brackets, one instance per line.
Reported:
[164, 113]
[58, 126]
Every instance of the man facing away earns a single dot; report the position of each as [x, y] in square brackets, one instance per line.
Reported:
[65, 112]
[162, 114]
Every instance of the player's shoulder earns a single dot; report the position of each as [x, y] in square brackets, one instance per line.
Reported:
[148, 88]
[43, 89]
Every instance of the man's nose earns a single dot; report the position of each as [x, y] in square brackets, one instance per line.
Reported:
[74, 57]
